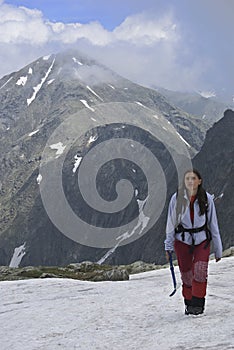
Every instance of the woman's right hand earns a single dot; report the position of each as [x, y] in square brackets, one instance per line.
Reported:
[168, 252]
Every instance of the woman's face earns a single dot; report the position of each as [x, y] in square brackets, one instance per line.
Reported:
[192, 181]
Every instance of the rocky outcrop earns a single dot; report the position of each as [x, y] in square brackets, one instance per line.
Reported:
[86, 270]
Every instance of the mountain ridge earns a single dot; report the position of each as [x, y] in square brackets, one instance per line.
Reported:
[34, 102]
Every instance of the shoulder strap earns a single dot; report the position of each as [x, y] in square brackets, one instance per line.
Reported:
[208, 233]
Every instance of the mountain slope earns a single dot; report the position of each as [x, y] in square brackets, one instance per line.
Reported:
[34, 102]
[209, 109]
[40, 101]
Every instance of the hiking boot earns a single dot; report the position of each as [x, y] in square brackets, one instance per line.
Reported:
[195, 306]
[187, 303]
[194, 310]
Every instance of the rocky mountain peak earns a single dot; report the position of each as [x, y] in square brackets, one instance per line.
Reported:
[34, 102]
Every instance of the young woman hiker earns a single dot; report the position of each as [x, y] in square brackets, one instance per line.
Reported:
[191, 224]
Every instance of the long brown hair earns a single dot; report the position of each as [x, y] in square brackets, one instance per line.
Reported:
[201, 196]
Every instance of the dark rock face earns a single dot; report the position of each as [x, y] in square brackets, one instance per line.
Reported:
[215, 161]
[37, 100]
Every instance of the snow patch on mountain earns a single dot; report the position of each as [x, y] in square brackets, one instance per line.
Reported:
[77, 163]
[39, 179]
[207, 94]
[46, 58]
[183, 139]
[77, 61]
[18, 255]
[33, 132]
[6, 83]
[38, 87]
[140, 226]
[93, 92]
[22, 80]
[50, 81]
[59, 147]
[85, 103]
[139, 103]
[92, 139]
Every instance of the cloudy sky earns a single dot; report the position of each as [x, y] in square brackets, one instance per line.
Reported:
[177, 44]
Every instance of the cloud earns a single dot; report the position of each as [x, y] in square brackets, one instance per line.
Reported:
[145, 48]
[141, 29]
[22, 26]
[71, 32]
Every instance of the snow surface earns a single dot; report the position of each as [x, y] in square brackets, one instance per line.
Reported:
[138, 314]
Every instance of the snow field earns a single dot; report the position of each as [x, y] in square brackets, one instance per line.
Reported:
[138, 314]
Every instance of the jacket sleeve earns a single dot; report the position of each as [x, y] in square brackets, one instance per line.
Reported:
[171, 222]
[214, 228]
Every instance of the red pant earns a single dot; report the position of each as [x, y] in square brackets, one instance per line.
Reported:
[193, 268]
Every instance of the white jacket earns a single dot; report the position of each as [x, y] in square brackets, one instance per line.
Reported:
[199, 220]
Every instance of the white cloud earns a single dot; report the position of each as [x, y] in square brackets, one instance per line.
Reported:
[144, 48]
[22, 25]
[71, 32]
[142, 30]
